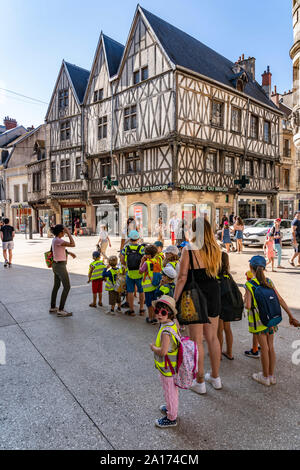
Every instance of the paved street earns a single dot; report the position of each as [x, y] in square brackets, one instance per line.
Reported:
[88, 381]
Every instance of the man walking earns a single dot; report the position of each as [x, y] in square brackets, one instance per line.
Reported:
[296, 237]
[7, 236]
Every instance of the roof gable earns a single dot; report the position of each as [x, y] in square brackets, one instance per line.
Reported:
[188, 52]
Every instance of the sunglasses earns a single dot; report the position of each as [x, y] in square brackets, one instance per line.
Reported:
[162, 311]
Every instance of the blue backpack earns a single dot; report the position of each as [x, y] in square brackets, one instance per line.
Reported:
[267, 303]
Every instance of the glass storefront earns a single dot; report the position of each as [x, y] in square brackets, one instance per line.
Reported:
[140, 213]
[286, 209]
[20, 218]
[252, 208]
[70, 214]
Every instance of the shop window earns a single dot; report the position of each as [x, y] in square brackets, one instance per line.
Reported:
[236, 119]
[217, 113]
[53, 172]
[211, 162]
[102, 127]
[130, 118]
[254, 127]
[63, 99]
[140, 213]
[133, 163]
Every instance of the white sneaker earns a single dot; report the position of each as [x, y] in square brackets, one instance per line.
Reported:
[260, 378]
[108, 312]
[64, 313]
[273, 380]
[198, 388]
[215, 382]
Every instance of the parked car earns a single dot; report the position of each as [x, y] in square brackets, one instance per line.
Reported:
[256, 235]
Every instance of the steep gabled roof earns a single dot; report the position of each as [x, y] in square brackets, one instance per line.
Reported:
[79, 78]
[186, 51]
[114, 52]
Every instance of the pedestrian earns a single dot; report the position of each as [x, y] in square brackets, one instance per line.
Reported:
[95, 275]
[7, 234]
[231, 306]
[203, 252]
[182, 234]
[59, 268]
[77, 229]
[231, 218]
[166, 345]
[173, 226]
[265, 334]
[254, 352]
[41, 226]
[167, 283]
[130, 225]
[239, 229]
[149, 268]
[226, 236]
[269, 249]
[160, 255]
[131, 257]
[110, 275]
[104, 241]
[160, 229]
[296, 237]
[276, 233]
[172, 257]
[224, 219]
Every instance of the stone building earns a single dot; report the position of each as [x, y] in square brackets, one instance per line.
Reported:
[295, 56]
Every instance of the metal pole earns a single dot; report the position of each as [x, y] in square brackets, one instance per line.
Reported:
[30, 226]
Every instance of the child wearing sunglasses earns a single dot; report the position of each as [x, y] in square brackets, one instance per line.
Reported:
[165, 351]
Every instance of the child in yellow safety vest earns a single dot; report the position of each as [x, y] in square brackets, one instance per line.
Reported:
[96, 270]
[110, 275]
[166, 346]
[160, 256]
[150, 268]
[172, 257]
[264, 333]
[167, 284]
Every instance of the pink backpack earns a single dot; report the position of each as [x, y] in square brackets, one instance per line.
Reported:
[187, 361]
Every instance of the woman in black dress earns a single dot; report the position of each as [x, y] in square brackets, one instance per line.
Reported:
[206, 257]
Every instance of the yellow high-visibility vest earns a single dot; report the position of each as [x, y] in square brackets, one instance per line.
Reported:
[148, 276]
[160, 361]
[99, 267]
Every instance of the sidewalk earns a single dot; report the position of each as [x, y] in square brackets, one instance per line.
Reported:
[88, 381]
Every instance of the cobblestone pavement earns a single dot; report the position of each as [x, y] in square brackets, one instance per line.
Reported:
[88, 381]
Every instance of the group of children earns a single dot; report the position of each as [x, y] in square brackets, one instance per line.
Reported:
[152, 272]
[146, 269]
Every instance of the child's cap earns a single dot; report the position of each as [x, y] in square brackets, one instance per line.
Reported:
[169, 271]
[134, 235]
[257, 262]
[96, 254]
[158, 243]
[171, 249]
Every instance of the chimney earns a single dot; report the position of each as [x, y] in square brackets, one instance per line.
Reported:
[9, 123]
[248, 65]
[275, 96]
[267, 82]
[30, 128]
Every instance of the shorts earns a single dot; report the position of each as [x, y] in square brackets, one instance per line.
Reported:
[114, 297]
[131, 283]
[271, 331]
[173, 237]
[149, 297]
[7, 245]
[97, 286]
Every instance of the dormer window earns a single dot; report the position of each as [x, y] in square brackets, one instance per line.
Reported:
[240, 85]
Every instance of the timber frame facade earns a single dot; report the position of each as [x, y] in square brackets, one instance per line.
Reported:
[170, 133]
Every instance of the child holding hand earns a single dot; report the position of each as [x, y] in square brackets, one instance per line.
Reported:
[166, 345]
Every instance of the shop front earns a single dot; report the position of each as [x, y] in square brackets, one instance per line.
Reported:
[70, 213]
[251, 207]
[287, 206]
[20, 214]
[106, 213]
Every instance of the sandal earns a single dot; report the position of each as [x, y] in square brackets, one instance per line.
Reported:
[100, 304]
[93, 305]
[130, 313]
[142, 312]
[228, 357]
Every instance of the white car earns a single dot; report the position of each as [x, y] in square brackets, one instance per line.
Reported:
[256, 235]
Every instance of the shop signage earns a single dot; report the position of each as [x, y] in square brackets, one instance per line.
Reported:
[190, 187]
[98, 201]
[143, 189]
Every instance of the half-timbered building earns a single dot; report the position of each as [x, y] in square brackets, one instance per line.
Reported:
[64, 118]
[183, 123]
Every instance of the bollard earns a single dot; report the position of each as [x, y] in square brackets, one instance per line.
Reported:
[30, 226]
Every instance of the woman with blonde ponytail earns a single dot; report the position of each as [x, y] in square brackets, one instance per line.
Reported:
[206, 264]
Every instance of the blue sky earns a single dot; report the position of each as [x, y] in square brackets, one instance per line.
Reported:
[35, 35]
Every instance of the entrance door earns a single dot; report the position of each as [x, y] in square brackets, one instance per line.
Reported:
[108, 215]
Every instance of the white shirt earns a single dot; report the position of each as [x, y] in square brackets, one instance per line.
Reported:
[174, 224]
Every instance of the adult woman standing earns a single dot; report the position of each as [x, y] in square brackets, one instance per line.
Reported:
[59, 268]
[239, 229]
[206, 255]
